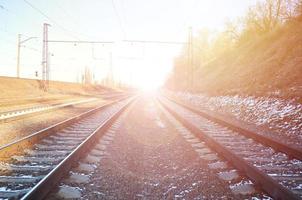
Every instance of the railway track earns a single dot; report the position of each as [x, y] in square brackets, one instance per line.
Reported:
[271, 165]
[30, 166]
[25, 112]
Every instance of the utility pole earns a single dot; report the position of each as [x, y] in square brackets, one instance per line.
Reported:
[19, 52]
[45, 64]
[111, 78]
[190, 70]
[18, 56]
[131, 77]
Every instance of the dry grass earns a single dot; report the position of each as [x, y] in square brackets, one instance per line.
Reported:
[13, 89]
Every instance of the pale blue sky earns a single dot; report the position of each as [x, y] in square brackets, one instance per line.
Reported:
[97, 20]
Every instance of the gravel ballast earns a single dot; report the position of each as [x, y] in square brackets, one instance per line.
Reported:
[148, 159]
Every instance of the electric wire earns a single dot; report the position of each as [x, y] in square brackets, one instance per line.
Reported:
[118, 18]
[50, 19]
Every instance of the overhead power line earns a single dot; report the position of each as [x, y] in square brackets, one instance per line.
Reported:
[80, 41]
[118, 18]
[32, 49]
[50, 19]
[15, 14]
[3, 8]
[72, 18]
[155, 42]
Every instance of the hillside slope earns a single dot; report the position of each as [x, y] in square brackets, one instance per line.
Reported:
[12, 88]
[270, 65]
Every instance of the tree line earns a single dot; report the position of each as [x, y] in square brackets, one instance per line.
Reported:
[260, 19]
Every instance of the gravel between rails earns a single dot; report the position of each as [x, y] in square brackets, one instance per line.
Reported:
[148, 159]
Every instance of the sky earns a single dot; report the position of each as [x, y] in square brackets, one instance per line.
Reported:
[139, 64]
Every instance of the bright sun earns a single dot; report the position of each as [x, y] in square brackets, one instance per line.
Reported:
[150, 81]
[152, 77]
[147, 75]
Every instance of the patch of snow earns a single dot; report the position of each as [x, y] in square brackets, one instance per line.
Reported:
[282, 116]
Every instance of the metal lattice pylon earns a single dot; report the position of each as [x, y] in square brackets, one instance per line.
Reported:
[45, 63]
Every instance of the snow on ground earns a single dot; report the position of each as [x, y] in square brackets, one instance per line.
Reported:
[283, 117]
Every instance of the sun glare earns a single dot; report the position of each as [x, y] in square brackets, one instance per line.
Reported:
[150, 81]
[147, 74]
[152, 77]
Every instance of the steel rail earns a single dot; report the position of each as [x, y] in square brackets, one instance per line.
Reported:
[275, 144]
[26, 112]
[40, 190]
[268, 184]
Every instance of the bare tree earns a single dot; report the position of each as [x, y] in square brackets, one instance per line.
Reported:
[291, 9]
[264, 16]
[298, 8]
[267, 15]
[233, 30]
